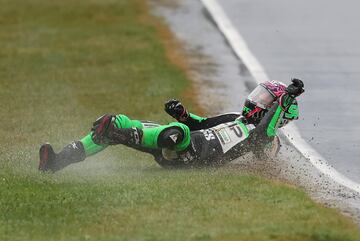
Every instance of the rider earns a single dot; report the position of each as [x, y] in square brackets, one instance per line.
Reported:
[256, 106]
[193, 140]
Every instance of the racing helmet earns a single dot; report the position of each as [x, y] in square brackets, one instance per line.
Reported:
[261, 99]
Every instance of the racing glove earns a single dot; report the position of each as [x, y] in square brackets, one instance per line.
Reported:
[296, 88]
[174, 108]
[292, 91]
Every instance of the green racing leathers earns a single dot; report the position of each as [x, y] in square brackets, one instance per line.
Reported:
[199, 142]
[121, 121]
[217, 144]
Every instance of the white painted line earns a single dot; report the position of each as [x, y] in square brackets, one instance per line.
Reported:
[243, 52]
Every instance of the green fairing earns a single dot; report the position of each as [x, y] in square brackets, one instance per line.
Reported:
[122, 121]
[151, 135]
[293, 112]
[271, 130]
[198, 118]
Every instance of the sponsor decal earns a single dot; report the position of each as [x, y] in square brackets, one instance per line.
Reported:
[224, 136]
[209, 135]
[174, 137]
[229, 134]
[74, 146]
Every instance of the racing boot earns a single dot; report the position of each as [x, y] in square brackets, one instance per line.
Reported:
[51, 161]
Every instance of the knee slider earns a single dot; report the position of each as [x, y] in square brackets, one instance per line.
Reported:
[100, 128]
[170, 137]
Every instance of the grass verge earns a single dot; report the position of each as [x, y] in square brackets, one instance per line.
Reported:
[64, 63]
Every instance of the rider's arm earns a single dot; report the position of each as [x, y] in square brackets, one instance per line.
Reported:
[291, 114]
[195, 122]
[175, 109]
[272, 120]
[295, 89]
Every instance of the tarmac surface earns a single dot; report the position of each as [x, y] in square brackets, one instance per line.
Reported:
[223, 83]
[319, 42]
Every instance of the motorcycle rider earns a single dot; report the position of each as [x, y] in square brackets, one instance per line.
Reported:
[193, 140]
[255, 108]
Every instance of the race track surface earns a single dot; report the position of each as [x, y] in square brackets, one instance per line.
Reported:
[317, 41]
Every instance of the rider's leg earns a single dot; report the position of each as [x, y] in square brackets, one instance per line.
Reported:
[175, 136]
[121, 121]
[51, 161]
[78, 150]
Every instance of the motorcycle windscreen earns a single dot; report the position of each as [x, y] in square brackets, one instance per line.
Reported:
[261, 97]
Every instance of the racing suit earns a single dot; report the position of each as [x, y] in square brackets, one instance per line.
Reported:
[195, 141]
[189, 144]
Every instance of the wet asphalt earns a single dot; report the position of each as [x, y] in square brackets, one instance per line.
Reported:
[319, 42]
[212, 64]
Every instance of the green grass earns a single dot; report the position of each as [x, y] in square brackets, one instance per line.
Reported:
[64, 63]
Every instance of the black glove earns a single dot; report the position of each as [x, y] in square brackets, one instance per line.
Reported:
[176, 109]
[296, 88]
[101, 128]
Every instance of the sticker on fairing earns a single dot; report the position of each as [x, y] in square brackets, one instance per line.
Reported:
[149, 124]
[229, 134]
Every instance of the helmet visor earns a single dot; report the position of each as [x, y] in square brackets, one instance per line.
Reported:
[261, 97]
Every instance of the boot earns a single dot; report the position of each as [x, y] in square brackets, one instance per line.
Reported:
[50, 161]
